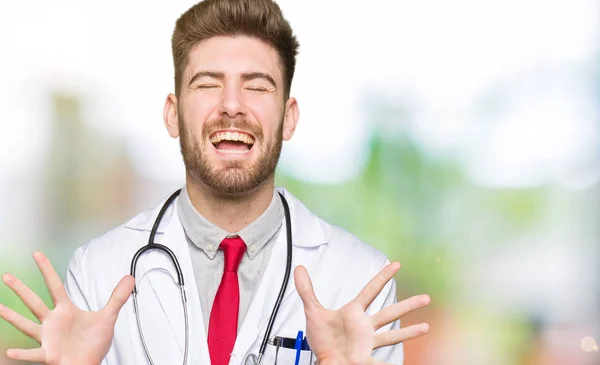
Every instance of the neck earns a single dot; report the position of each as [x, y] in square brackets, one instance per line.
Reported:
[231, 213]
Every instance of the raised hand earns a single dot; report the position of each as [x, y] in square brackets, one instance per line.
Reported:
[347, 336]
[67, 335]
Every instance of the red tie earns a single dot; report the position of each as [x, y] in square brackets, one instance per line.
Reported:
[222, 328]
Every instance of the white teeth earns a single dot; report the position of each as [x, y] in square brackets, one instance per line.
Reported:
[232, 136]
[235, 152]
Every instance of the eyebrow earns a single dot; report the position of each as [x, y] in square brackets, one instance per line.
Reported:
[245, 76]
[259, 75]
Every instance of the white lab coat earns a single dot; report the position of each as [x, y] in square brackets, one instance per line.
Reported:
[338, 263]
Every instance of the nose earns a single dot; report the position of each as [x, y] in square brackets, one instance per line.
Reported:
[232, 103]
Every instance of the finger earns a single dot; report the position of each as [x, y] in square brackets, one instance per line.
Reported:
[33, 355]
[394, 337]
[26, 326]
[397, 310]
[374, 287]
[305, 289]
[35, 304]
[119, 297]
[53, 281]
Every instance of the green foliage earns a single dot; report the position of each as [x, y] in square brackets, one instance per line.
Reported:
[419, 210]
[394, 205]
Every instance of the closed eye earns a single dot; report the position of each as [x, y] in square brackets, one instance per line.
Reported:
[206, 86]
[257, 89]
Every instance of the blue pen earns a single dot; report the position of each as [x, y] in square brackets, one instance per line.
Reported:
[298, 346]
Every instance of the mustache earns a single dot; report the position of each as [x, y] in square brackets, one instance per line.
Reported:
[235, 123]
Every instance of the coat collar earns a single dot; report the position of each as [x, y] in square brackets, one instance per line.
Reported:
[312, 234]
[307, 232]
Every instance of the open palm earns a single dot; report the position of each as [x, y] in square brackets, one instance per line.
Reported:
[67, 335]
[348, 335]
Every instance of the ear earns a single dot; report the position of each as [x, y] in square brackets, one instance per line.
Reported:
[170, 115]
[290, 118]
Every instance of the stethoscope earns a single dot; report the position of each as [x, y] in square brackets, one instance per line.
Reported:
[251, 359]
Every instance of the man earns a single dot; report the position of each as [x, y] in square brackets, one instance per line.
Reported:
[234, 64]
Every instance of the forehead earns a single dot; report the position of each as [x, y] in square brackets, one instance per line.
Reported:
[233, 56]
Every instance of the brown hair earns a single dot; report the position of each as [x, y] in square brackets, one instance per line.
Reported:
[261, 19]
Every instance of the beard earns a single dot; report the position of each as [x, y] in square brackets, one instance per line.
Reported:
[234, 178]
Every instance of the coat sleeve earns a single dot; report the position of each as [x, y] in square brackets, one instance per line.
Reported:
[389, 354]
[74, 283]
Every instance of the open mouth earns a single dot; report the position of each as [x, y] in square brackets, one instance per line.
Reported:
[232, 142]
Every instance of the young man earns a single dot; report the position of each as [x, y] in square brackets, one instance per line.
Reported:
[234, 64]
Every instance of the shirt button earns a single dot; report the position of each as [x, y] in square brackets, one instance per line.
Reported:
[210, 247]
[252, 248]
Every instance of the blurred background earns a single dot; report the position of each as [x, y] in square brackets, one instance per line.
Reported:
[459, 137]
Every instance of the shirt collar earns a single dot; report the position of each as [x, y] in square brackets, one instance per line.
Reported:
[207, 236]
[258, 233]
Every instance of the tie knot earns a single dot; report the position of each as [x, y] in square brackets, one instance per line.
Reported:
[233, 250]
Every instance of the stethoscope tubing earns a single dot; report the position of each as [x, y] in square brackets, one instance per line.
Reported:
[180, 280]
[286, 279]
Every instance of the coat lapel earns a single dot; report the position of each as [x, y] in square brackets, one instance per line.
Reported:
[307, 235]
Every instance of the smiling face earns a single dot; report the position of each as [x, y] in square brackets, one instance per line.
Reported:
[231, 115]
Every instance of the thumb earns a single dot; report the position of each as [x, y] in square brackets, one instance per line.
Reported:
[119, 296]
[305, 289]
